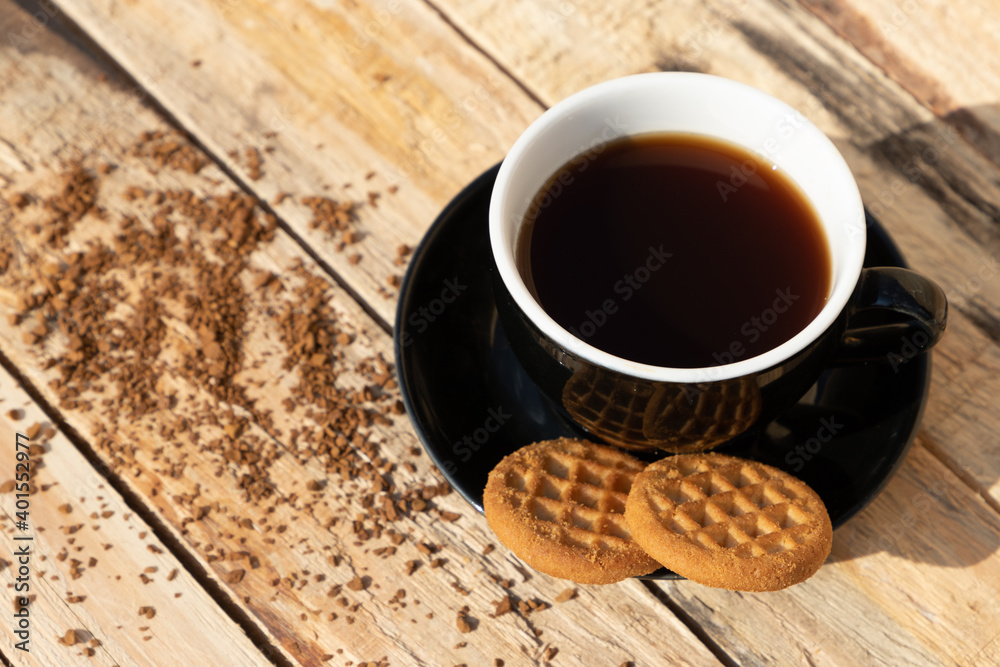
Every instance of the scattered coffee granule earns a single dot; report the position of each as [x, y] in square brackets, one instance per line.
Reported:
[462, 621]
[77, 196]
[488, 549]
[253, 161]
[148, 612]
[567, 595]
[354, 258]
[330, 216]
[357, 584]
[450, 516]
[70, 638]
[503, 605]
[170, 149]
[8, 486]
[411, 566]
[15, 415]
[75, 599]
[190, 255]
[172, 575]
[33, 431]
[526, 607]
[235, 576]
[551, 652]
[19, 200]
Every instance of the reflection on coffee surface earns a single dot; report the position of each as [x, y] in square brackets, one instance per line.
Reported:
[675, 250]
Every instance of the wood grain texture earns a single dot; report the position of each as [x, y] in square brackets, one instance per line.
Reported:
[925, 47]
[304, 548]
[347, 88]
[928, 186]
[912, 580]
[933, 190]
[74, 517]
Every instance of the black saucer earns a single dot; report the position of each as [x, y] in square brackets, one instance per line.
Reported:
[472, 403]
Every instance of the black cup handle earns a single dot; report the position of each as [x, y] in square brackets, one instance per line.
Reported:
[894, 313]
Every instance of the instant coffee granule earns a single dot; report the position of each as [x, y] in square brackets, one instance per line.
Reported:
[118, 303]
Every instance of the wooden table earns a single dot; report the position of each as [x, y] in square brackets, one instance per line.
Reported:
[150, 546]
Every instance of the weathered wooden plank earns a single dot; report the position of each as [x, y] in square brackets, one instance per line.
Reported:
[933, 192]
[940, 218]
[95, 569]
[330, 93]
[924, 46]
[311, 557]
[912, 580]
[930, 187]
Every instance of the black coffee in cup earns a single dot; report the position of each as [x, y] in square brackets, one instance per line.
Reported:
[675, 250]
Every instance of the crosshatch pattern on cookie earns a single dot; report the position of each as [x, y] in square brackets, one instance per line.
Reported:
[584, 498]
[735, 506]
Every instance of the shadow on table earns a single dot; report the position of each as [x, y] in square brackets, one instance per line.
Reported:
[926, 516]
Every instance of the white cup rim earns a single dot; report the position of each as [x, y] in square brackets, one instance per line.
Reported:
[846, 233]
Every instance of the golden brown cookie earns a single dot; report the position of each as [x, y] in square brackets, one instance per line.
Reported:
[559, 506]
[728, 522]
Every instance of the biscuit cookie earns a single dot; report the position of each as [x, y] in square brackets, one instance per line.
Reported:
[728, 522]
[559, 506]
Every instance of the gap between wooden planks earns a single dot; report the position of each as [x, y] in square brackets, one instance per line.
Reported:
[925, 47]
[87, 543]
[879, 129]
[623, 623]
[937, 209]
[940, 214]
